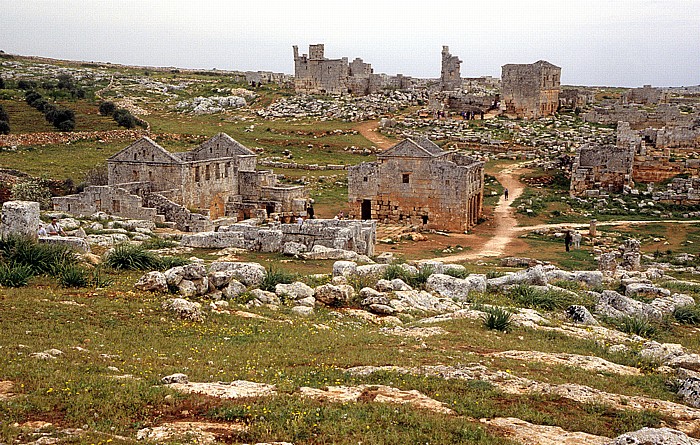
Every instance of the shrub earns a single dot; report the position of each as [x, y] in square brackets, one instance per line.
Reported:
[4, 127]
[74, 276]
[396, 271]
[124, 118]
[26, 84]
[497, 319]
[687, 314]
[273, 277]
[32, 190]
[531, 297]
[461, 273]
[3, 115]
[2, 83]
[107, 108]
[412, 279]
[16, 275]
[41, 258]
[132, 257]
[158, 243]
[168, 262]
[636, 325]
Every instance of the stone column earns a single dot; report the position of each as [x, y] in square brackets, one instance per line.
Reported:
[592, 231]
[19, 218]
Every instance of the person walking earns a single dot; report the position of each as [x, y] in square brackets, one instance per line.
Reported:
[505, 194]
[577, 240]
[567, 240]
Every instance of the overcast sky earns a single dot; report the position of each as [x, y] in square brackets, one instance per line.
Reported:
[596, 42]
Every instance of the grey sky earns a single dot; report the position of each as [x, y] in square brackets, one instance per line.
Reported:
[596, 42]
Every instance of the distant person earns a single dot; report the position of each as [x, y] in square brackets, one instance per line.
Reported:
[310, 211]
[300, 221]
[505, 194]
[577, 240]
[567, 240]
[41, 231]
[55, 229]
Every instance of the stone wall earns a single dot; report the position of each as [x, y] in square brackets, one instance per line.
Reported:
[680, 191]
[184, 219]
[646, 95]
[530, 91]
[357, 236]
[450, 78]
[443, 191]
[105, 198]
[601, 168]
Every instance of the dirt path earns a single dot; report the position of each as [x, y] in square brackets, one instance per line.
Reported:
[369, 129]
[503, 216]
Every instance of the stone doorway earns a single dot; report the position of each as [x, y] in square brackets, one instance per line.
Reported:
[366, 209]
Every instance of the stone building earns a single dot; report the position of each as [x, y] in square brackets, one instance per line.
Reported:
[315, 74]
[646, 95]
[417, 183]
[217, 178]
[450, 78]
[601, 169]
[530, 90]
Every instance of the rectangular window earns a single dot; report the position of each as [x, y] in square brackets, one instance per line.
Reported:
[207, 174]
[196, 174]
[364, 179]
[405, 178]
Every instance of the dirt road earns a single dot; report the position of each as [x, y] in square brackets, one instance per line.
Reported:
[369, 129]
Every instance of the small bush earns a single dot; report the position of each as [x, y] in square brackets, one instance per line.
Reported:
[74, 276]
[158, 243]
[132, 257]
[396, 271]
[528, 296]
[358, 282]
[107, 108]
[461, 273]
[32, 190]
[16, 275]
[636, 325]
[497, 319]
[687, 314]
[41, 258]
[412, 279]
[273, 277]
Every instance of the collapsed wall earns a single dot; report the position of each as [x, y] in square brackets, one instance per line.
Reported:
[356, 236]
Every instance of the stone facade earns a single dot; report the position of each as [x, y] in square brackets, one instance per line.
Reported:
[646, 95]
[417, 183]
[218, 177]
[19, 218]
[530, 91]
[315, 74]
[450, 79]
[573, 98]
[601, 168]
[356, 236]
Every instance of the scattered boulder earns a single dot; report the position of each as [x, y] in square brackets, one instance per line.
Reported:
[292, 249]
[233, 289]
[385, 258]
[187, 310]
[654, 436]
[668, 304]
[331, 295]
[457, 288]
[250, 274]
[295, 291]
[661, 352]
[689, 387]
[265, 297]
[615, 305]
[344, 268]
[534, 275]
[302, 311]
[579, 314]
[152, 282]
[175, 378]
[646, 290]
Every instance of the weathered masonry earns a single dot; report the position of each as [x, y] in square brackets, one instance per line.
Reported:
[530, 90]
[450, 78]
[417, 183]
[218, 178]
[315, 74]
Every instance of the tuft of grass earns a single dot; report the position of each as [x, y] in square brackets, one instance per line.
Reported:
[531, 297]
[416, 280]
[687, 314]
[16, 275]
[457, 273]
[158, 243]
[132, 257]
[74, 276]
[637, 325]
[168, 262]
[273, 277]
[40, 258]
[497, 319]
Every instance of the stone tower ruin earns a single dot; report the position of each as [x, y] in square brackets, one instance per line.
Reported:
[450, 78]
[531, 90]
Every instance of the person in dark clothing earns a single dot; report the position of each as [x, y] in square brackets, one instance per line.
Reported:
[310, 211]
[567, 240]
[505, 194]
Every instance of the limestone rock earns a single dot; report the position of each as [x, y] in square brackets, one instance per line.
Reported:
[645, 290]
[194, 271]
[302, 311]
[174, 275]
[689, 387]
[385, 258]
[219, 280]
[654, 436]
[661, 352]
[19, 218]
[175, 378]
[291, 248]
[408, 301]
[250, 274]
[187, 288]
[614, 305]
[233, 289]
[371, 269]
[534, 275]
[666, 305]
[74, 242]
[295, 291]
[344, 268]
[457, 288]
[381, 309]
[152, 282]
[579, 314]
[308, 302]
[331, 295]
[184, 309]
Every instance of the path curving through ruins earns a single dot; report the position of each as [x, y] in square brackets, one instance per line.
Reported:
[504, 219]
[370, 130]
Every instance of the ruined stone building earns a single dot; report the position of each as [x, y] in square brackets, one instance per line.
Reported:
[217, 178]
[417, 183]
[646, 95]
[530, 90]
[315, 74]
[450, 78]
[573, 98]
